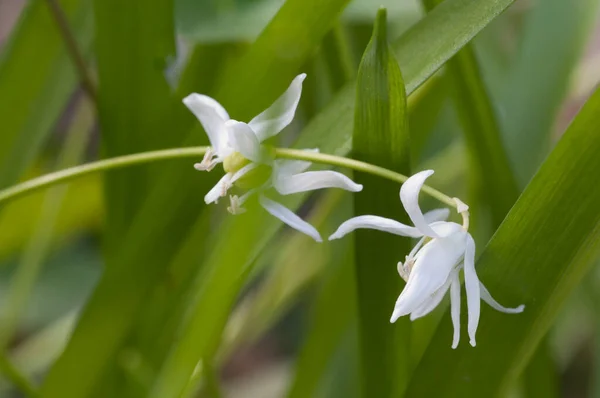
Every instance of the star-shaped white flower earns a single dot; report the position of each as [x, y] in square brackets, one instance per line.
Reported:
[248, 162]
[432, 267]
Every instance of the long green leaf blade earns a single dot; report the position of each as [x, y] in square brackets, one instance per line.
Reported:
[133, 41]
[493, 178]
[540, 252]
[380, 137]
[555, 33]
[36, 81]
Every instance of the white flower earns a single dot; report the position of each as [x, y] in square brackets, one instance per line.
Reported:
[432, 267]
[250, 164]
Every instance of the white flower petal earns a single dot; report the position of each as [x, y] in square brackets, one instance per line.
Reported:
[436, 215]
[487, 297]
[312, 180]
[409, 195]
[212, 116]
[280, 113]
[243, 140]
[375, 222]
[285, 168]
[431, 303]
[433, 264]
[446, 228]
[289, 218]
[455, 307]
[472, 288]
[219, 190]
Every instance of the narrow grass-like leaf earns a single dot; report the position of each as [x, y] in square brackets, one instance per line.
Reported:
[295, 263]
[380, 137]
[36, 81]
[133, 41]
[39, 245]
[541, 377]
[425, 113]
[494, 181]
[554, 36]
[334, 313]
[339, 58]
[538, 255]
[82, 210]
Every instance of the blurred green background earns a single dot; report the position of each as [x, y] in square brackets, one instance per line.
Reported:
[539, 62]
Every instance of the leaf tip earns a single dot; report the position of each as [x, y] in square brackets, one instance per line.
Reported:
[380, 27]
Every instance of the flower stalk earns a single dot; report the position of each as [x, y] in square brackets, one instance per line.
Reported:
[72, 173]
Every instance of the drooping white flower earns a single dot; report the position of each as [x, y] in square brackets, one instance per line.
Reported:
[248, 162]
[432, 268]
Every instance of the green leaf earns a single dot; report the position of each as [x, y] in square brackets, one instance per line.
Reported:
[133, 41]
[333, 314]
[82, 211]
[494, 182]
[380, 137]
[224, 21]
[555, 33]
[36, 81]
[425, 113]
[538, 255]
[39, 245]
[295, 263]
[541, 377]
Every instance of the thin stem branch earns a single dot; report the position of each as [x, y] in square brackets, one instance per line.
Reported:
[16, 378]
[73, 49]
[323, 158]
[66, 175]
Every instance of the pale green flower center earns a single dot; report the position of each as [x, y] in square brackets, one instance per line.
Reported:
[234, 162]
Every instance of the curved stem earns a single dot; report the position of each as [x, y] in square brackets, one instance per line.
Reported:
[357, 165]
[66, 175]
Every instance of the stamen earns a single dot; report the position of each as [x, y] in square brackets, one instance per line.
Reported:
[403, 271]
[236, 202]
[409, 263]
[235, 206]
[208, 162]
[225, 187]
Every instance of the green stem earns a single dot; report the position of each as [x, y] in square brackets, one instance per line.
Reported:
[332, 160]
[66, 175]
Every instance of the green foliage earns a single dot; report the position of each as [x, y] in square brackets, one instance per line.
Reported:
[493, 180]
[185, 288]
[555, 32]
[36, 81]
[544, 247]
[380, 136]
